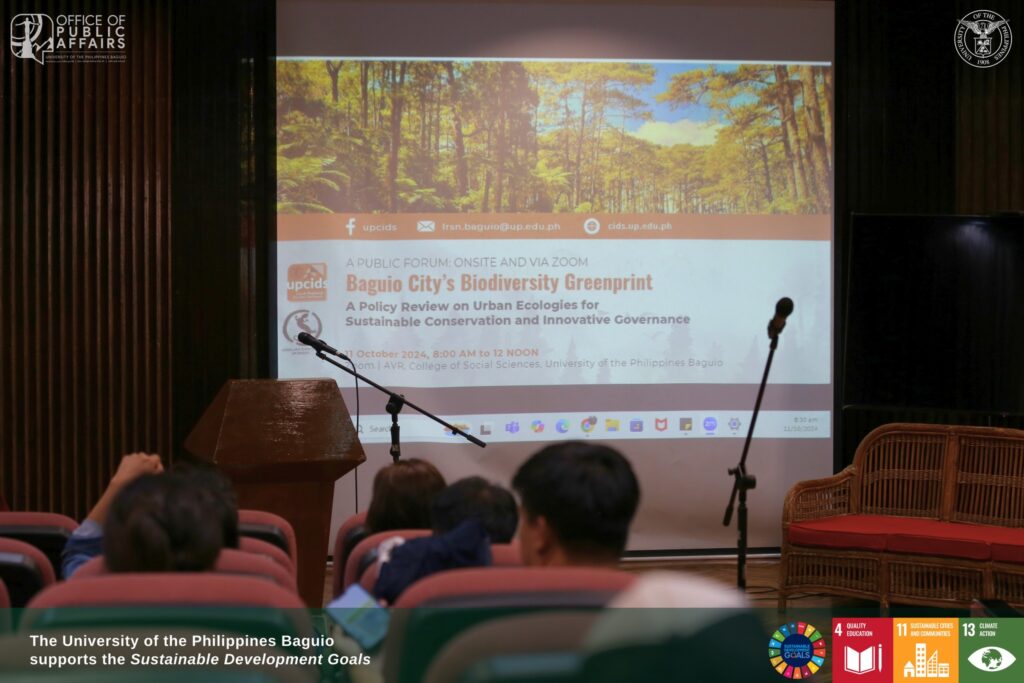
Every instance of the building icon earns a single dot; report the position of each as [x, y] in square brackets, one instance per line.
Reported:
[925, 666]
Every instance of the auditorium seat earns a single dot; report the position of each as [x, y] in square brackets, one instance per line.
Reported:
[233, 561]
[230, 561]
[506, 555]
[363, 556]
[24, 569]
[544, 667]
[517, 587]
[258, 547]
[47, 531]
[547, 633]
[434, 610]
[205, 600]
[268, 527]
[350, 525]
[502, 555]
[705, 648]
[368, 579]
[5, 612]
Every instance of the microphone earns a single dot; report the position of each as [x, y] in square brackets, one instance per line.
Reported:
[782, 310]
[321, 346]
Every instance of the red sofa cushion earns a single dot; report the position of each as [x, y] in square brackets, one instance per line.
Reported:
[1008, 545]
[911, 535]
[944, 539]
[849, 532]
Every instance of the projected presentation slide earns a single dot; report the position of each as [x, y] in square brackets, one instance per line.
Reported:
[533, 238]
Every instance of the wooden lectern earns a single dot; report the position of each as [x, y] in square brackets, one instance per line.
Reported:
[283, 443]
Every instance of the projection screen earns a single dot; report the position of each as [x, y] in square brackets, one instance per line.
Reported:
[553, 222]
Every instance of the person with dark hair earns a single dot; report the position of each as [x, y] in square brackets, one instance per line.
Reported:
[476, 498]
[577, 502]
[162, 524]
[402, 495]
[86, 542]
[209, 477]
[468, 516]
[206, 486]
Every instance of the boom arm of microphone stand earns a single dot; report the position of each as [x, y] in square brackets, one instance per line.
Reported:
[392, 396]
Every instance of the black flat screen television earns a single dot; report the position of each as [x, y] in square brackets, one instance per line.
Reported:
[935, 312]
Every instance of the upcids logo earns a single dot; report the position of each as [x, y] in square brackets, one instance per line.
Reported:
[307, 282]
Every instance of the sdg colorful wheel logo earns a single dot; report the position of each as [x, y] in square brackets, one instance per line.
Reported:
[796, 650]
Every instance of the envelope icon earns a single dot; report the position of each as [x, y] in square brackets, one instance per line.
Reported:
[424, 226]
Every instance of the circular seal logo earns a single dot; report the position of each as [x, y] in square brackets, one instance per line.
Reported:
[302, 320]
[982, 38]
[796, 650]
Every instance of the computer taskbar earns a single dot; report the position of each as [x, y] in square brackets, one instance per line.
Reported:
[521, 427]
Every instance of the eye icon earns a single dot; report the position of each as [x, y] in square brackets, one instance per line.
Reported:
[992, 659]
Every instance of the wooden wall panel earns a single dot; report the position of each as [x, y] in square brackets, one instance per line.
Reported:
[85, 288]
[990, 125]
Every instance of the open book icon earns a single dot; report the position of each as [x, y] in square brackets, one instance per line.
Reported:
[863, 661]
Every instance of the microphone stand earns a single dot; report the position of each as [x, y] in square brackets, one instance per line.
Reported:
[744, 482]
[395, 404]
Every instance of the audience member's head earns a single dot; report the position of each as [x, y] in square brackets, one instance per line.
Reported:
[402, 495]
[161, 523]
[578, 500]
[208, 476]
[673, 619]
[476, 498]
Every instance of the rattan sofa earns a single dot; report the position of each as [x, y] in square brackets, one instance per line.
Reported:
[925, 515]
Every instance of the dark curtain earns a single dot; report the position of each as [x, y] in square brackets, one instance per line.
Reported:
[918, 131]
[136, 207]
[223, 198]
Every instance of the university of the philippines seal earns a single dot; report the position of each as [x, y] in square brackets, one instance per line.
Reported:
[982, 38]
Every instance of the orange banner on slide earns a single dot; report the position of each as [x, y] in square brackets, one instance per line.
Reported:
[460, 226]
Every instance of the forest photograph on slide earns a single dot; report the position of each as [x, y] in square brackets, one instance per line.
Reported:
[477, 136]
[585, 227]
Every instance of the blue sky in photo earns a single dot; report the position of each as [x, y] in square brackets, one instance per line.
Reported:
[664, 111]
[668, 123]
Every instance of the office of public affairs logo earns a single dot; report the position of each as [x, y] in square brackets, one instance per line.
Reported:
[32, 36]
[796, 650]
[982, 38]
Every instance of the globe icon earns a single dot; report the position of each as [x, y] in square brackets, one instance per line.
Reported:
[992, 659]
